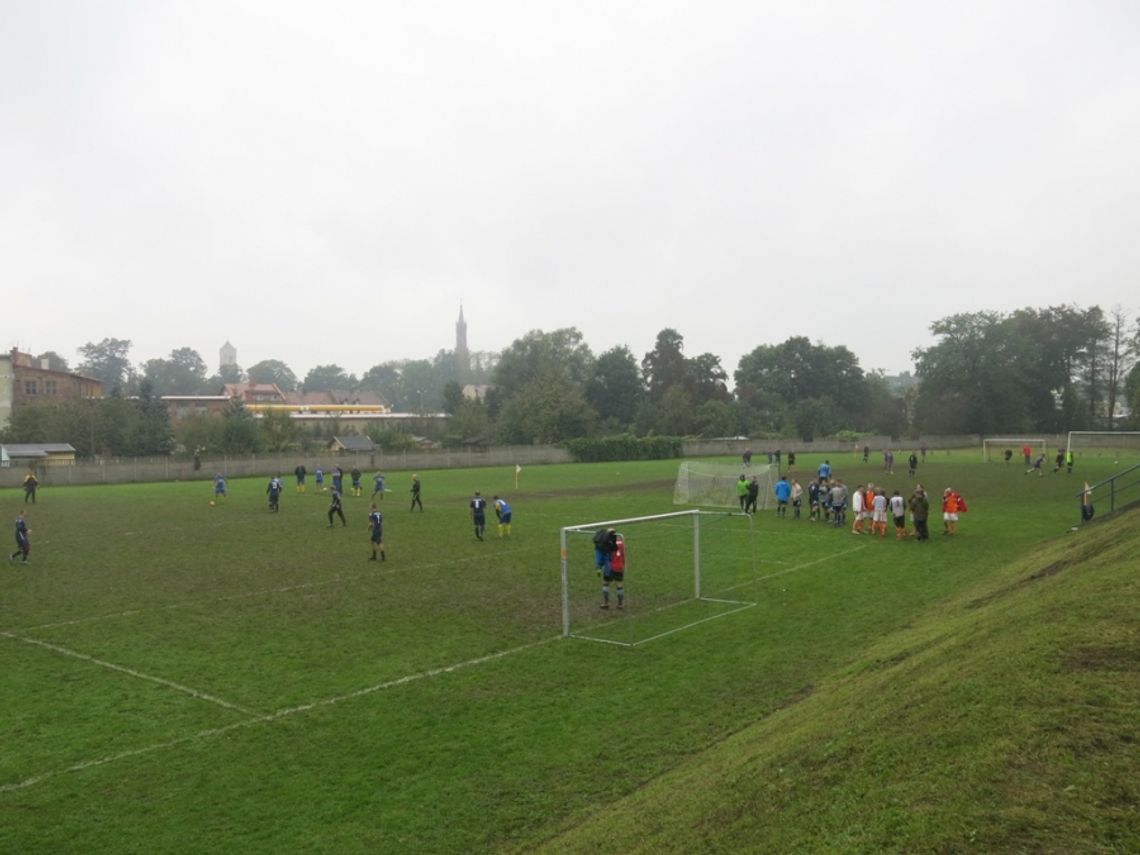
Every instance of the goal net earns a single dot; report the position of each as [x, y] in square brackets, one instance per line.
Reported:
[713, 485]
[995, 448]
[1117, 445]
[681, 569]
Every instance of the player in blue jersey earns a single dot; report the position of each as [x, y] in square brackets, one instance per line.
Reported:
[824, 471]
[783, 491]
[378, 487]
[478, 507]
[23, 543]
[219, 488]
[338, 480]
[319, 477]
[503, 514]
[376, 529]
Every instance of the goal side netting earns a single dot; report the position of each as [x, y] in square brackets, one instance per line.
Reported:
[1119, 445]
[714, 485]
[994, 448]
[682, 569]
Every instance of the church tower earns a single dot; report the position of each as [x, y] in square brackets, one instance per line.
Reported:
[462, 354]
[227, 355]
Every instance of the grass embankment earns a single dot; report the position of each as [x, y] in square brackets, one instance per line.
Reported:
[1004, 719]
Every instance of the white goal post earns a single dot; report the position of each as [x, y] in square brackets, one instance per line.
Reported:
[680, 569]
[1115, 443]
[1015, 443]
[713, 484]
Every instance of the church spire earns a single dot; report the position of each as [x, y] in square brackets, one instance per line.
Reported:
[462, 355]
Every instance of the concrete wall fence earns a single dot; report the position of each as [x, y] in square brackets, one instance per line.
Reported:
[283, 464]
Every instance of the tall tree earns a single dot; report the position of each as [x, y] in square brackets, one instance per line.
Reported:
[328, 378]
[1121, 358]
[560, 356]
[109, 362]
[152, 433]
[184, 373]
[614, 387]
[273, 371]
[665, 367]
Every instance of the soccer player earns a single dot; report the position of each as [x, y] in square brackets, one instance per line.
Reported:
[300, 472]
[1069, 461]
[30, 484]
[338, 479]
[274, 493]
[604, 541]
[1059, 461]
[813, 500]
[335, 508]
[949, 511]
[879, 513]
[824, 471]
[1038, 466]
[23, 544]
[1008, 455]
[378, 487]
[356, 488]
[797, 498]
[898, 511]
[219, 488]
[376, 527]
[753, 496]
[478, 507]
[416, 494]
[742, 491]
[783, 491]
[857, 500]
[911, 465]
[1027, 453]
[319, 477]
[615, 572]
[503, 514]
[838, 502]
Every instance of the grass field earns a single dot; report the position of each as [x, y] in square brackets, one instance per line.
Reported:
[186, 678]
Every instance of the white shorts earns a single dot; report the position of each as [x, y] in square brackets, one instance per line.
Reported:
[879, 516]
[950, 517]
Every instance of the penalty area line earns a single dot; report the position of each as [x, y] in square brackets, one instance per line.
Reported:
[265, 719]
[131, 672]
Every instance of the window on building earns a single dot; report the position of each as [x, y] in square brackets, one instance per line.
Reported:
[30, 387]
[49, 387]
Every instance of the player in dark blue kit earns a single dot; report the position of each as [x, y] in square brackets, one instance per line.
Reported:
[378, 487]
[23, 544]
[274, 493]
[478, 507]
[376, 527]
[335, 509]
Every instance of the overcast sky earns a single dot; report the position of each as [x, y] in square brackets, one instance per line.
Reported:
[327, 182]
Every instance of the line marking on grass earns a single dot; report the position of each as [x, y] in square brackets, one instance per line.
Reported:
[257, 718]
[796, 568]
[131, 672]
[317, 583]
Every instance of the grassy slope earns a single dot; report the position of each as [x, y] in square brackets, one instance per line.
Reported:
[1004, 719]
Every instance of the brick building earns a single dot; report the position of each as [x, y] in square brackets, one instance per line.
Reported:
[24, 380]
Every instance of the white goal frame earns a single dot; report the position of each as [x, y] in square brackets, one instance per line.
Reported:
[1018, 441]
[1102, 433]
[712, 484]
[695, 515]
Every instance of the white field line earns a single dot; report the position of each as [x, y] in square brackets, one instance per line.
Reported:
[794, 569]
[271, 717]
[131, 672]
[317, 583]
[695, 623]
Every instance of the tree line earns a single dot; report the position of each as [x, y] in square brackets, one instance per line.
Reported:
[1031, 370]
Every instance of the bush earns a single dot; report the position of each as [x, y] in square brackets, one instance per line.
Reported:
[624, 447]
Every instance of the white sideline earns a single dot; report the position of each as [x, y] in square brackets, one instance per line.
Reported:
[131, 672]
[262, 719]
[317, 583]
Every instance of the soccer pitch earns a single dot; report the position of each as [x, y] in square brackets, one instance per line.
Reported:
[181, 677]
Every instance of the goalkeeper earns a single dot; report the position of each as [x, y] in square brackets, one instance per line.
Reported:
[615, 571]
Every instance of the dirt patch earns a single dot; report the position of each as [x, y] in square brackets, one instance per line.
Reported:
[1102, 657]
[1036, 576]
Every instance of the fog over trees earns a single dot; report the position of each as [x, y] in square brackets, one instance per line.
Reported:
[1032, 370]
